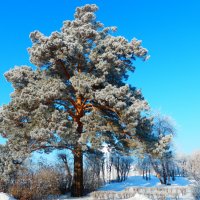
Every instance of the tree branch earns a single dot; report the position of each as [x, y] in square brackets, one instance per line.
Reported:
[84, 102]
[71, 114]
[91, 69]
[64, 68]
[51, 146]
[102, 108]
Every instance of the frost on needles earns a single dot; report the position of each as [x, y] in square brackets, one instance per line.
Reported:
[77, 98]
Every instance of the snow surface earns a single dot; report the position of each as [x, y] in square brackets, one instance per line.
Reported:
[138, 197]
[67, 197]
[4, 196]
[132, 181]
[138, 181]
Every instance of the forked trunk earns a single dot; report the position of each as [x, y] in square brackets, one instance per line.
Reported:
[77, 186]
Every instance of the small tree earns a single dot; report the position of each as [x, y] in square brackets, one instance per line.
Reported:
[77, 98]
[161, 153]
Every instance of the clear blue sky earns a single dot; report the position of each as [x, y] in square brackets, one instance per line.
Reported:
[170, 30]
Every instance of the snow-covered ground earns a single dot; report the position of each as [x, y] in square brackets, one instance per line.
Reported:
[133, 183]
[138, 181]
[136, 197]
[180, 188]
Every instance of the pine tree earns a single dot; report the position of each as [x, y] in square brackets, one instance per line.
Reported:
[77, 97]
[160, 148]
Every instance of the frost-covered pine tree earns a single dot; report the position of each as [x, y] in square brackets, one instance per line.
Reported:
[160, 149]
[77, 98]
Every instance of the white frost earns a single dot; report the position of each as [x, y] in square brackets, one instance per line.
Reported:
[4, 196]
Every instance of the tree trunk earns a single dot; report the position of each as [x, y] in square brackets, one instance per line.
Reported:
[149, 174]
[159, 177]
[146, 174]
[173, 175]
[63, 157]
[77, 186]
[103, 171]
[168, 173]
[158, 174]
[69, 176]
[164, 173]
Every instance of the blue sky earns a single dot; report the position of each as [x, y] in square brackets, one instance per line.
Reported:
[169, 29]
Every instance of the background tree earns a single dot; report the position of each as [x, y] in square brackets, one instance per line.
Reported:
[144, 165]
[77, 98]
[64, 159]
[181, 165]
[161, 151]
[192, 171]
[121, 164]
[93, 170]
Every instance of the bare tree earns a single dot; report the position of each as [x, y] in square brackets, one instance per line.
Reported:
[93, 170]
[144, 165]
[122, 165]
[192, 168]
[63, 158]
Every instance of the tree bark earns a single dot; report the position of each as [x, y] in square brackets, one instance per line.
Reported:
[149, 174]
[77, 186]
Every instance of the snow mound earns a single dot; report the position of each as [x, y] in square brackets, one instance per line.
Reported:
[4, 196]
[139, 197]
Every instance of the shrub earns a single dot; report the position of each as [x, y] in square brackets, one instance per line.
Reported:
[36, 185]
